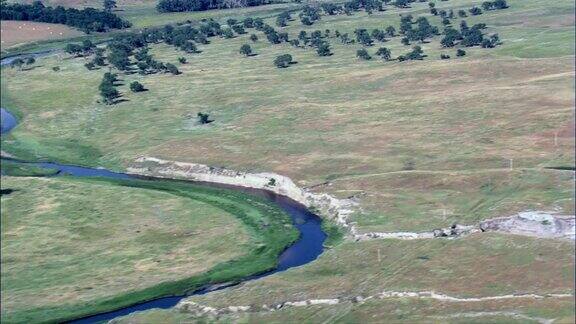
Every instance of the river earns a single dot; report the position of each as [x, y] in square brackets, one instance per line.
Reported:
[306, 249]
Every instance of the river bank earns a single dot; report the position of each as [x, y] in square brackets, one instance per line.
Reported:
[282, 251]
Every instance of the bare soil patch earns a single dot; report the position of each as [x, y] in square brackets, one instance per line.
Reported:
[20, 32]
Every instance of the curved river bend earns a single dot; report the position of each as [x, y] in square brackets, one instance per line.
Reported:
[306, 249]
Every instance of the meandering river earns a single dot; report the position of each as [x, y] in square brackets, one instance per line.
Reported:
[306, 249]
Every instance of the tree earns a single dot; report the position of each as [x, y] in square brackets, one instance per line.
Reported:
[405, 41]
[281, 21]
[90, 65]
[444, 56]
[415, 54]
[500, 4]
[475, 11]
[462, 13]
[87, 46]
[254, 38]
[460, 52]
[363, 37]
[109, 5]
[199, 5]
[203, 118]
[227, 33]
[384, 53]
[88, 19]
[73, 49]
[107, 90]
[182, 60]
[142, 67]
[189, 47]
[363, 54]
[238, 29]
[136, 87]
[306, 21]
[172, 68]
[390, 31]
[248, 22]
[246, 50]
[30, 60]
[283, 61]
[379, 35]
[18, 62]
[109, 93]
[273, 37]
[323, 49]
[119, 59]
[99, 60]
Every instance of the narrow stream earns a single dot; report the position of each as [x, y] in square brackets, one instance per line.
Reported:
[306, 249]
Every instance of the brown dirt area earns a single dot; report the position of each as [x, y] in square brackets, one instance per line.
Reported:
[20, 32]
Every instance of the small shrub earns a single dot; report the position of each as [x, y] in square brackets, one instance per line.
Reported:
[136, 87]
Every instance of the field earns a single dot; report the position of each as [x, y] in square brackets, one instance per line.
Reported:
[418, 144]
[353, 123]
[123, 251]
[478, 266]
[15, 33]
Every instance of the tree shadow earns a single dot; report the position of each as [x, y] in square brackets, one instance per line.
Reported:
[117, 101]
[4, 192]
[32, 68]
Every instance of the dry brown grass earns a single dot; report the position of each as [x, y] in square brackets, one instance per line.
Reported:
[16, 33]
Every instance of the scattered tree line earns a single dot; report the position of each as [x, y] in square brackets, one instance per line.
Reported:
[88, 19]
[468, 36]
[128, 52]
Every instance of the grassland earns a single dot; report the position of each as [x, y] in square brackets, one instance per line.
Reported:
[331, 118]
[71, 247]
[420, 145]
[481, 265]
[385, 311]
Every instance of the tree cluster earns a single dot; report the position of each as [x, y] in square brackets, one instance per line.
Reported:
[201, 5]
[88, 19]
[20, 62]
[494, 5]
[309, 15]
[421, 32]
[468, 36]
[108, 92]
